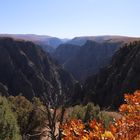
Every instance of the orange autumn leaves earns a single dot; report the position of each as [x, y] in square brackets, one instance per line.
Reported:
[76, 130]
[129, 125]
[126, 128]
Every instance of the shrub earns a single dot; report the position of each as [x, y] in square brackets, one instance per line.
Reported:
[22, 108]
[78, 112]
[30, 115]
[90, 112]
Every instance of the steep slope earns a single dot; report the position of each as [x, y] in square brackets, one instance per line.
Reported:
[90, 58]
[26, 69]
[83, 61]
[65, 52]
[107, 88]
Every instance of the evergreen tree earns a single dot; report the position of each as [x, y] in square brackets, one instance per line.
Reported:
[22, 108]
[8, 125]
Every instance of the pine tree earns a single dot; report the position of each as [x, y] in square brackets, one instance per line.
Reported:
[9, 129]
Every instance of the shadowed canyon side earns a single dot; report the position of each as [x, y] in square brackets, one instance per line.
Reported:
[26, 69]
[83, 61]
[107, 88]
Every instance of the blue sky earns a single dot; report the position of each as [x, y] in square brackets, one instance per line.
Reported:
[69, 18]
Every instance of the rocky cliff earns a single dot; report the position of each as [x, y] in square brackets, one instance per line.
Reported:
[107, 88]
[26, 69]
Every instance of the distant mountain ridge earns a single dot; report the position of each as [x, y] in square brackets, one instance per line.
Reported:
[81, 40]
[105, 38]
[48, 43]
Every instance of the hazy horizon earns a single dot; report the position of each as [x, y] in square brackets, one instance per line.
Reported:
[8, 34]
[68, 19]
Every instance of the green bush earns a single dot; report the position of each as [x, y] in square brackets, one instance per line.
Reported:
[78, 112]
[107, 119]
[85, 113]
[9, 129]
[90, 112]
[30, 115]
[22, 108]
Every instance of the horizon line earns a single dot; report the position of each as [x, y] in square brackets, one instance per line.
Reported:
[47, 35]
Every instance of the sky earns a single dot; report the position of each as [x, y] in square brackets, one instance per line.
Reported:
[70, 18]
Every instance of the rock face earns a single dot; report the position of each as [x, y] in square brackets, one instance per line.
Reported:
[3, 90]
[26, 69]
[107, 88]
[83, 61]
[65, 52]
